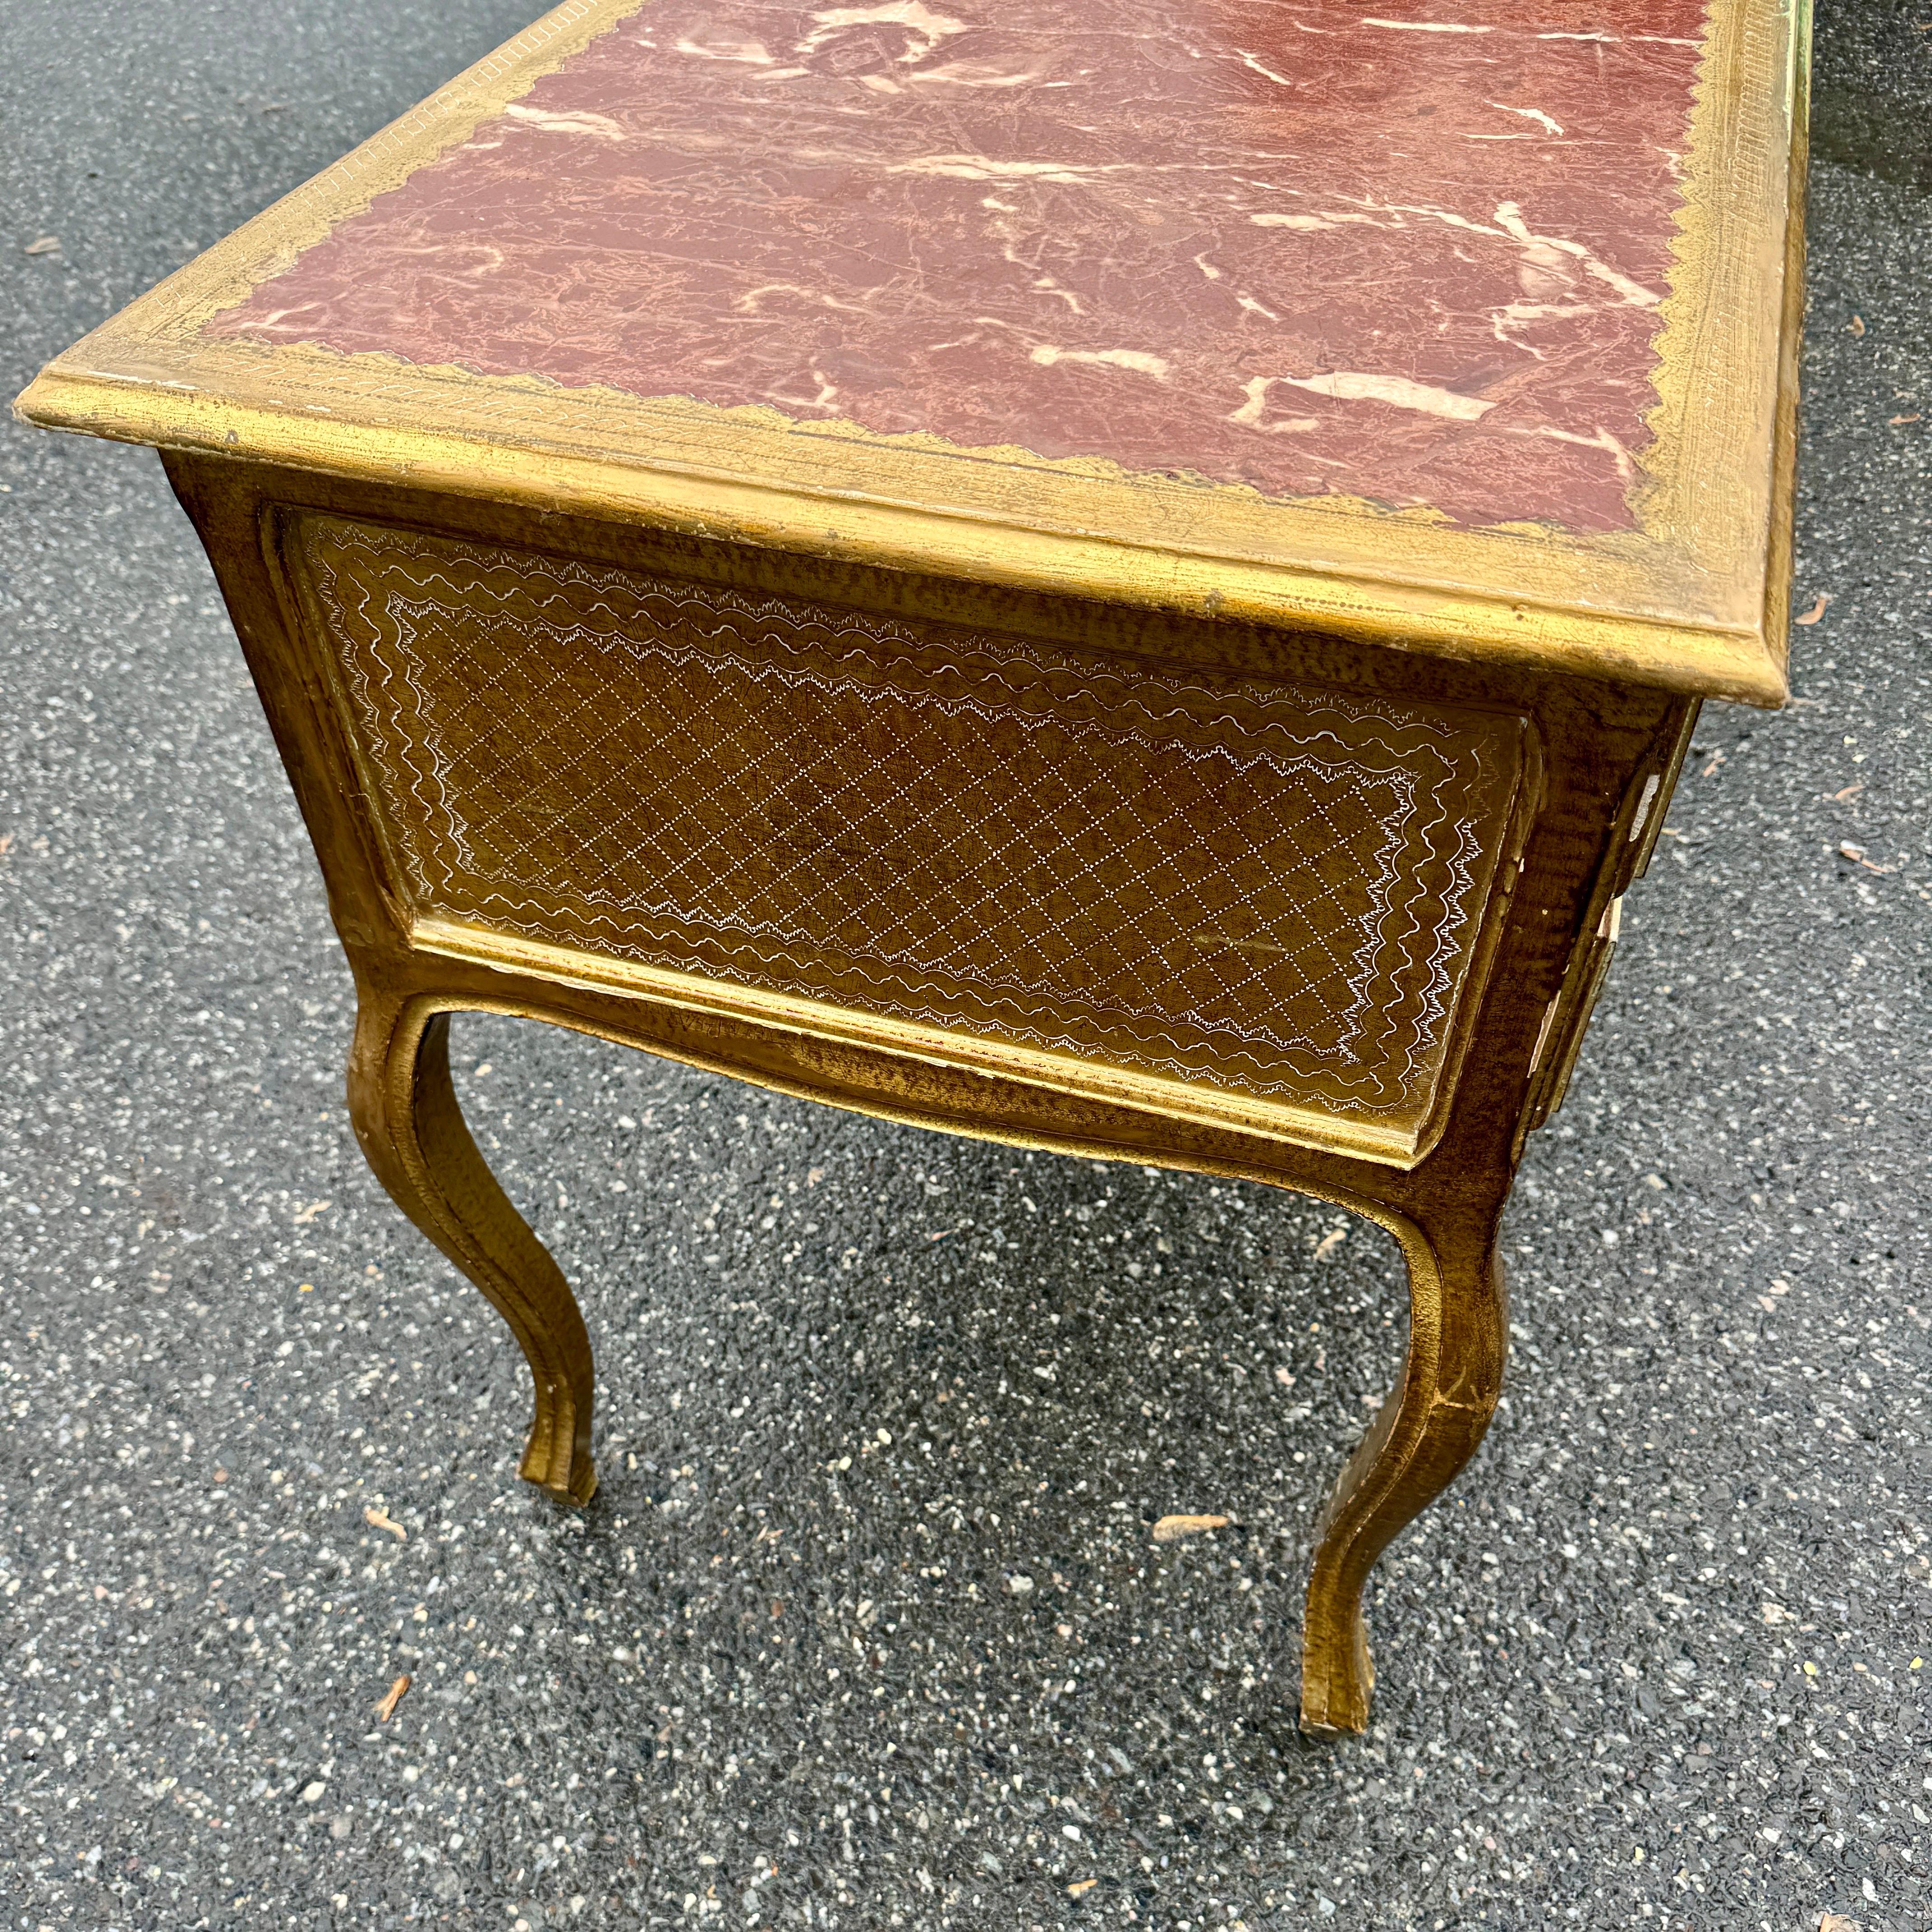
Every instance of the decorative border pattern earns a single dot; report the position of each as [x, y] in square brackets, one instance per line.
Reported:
[1266, 889]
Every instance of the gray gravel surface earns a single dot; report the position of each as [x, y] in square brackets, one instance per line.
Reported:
[865, 1628]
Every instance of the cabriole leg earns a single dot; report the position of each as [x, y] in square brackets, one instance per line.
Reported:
[404, 1105]
[1428, 1427]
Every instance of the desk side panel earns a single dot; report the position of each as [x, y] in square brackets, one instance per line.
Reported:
[1264, 901]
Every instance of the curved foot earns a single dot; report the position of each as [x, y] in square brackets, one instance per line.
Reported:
[404, 1108]
[1428, 1427]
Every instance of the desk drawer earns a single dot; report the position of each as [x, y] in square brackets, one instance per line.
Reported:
[1235, 899]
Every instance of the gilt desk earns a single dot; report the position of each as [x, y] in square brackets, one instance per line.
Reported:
[1132, 578]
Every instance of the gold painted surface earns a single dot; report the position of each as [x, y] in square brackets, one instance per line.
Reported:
[1256, 902]
[1694, 600]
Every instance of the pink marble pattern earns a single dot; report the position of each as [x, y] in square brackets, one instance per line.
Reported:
[1414, 255]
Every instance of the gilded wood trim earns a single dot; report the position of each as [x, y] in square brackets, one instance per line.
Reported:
[567, 966]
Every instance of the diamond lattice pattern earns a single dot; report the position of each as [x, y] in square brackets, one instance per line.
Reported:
[1269, 889]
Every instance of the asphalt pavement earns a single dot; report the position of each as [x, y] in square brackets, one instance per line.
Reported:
[1871, 88]
[865, 1628]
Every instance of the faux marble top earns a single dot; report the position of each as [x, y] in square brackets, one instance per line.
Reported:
[1414, 256]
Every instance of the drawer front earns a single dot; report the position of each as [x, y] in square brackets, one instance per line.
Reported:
[1243, 893]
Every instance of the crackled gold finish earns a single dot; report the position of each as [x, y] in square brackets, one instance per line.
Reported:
[1126, 815]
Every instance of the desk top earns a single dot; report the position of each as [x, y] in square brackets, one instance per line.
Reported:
[1433, 325]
